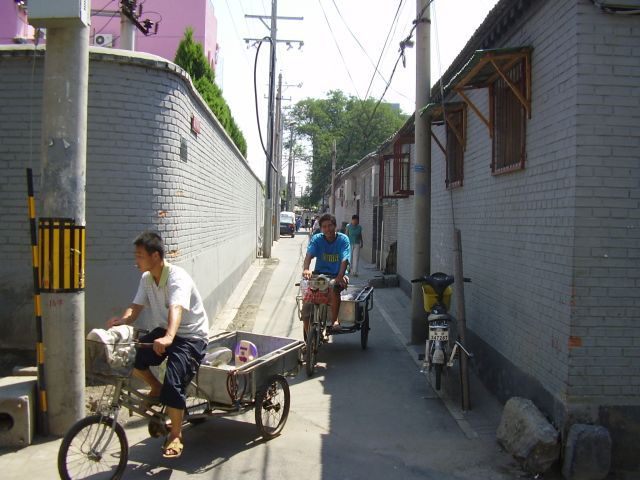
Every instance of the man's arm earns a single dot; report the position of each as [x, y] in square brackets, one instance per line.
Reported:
[129, 316]
[173, 322]
[306, 273]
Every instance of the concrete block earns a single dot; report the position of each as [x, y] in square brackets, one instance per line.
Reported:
[391, 281]
[587, 454]
[528, 436]
[377, 282]
[24, 371]
[17, 411]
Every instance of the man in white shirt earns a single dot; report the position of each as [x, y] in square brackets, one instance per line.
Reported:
[180, 336]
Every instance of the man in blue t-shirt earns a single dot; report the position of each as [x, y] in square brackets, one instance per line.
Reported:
[332, 252]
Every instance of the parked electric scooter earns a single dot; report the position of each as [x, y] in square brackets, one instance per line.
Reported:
[437, 291]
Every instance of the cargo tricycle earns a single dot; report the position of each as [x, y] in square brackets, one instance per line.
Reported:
[97, 447]
[313, 301]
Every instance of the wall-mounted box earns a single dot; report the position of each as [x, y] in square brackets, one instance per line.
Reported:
[58, 13]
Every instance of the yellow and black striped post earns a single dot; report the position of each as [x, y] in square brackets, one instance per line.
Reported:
[42, 390]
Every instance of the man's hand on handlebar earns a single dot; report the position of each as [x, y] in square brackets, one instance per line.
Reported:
[161, 344]
[342, 280]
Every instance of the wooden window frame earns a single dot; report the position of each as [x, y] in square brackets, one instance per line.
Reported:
[509, 121]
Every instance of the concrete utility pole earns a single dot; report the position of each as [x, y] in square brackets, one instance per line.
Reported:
[269, 220]
[64, 145]
[290, 174]
[332, 198]
[422, 172]
[127, 32]
[278, 149]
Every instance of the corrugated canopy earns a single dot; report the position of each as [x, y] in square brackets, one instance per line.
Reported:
[484, 66]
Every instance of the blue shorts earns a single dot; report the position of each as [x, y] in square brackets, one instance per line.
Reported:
[183, 356]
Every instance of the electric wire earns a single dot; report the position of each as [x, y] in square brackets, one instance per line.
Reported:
[106, 24]
[235, 28]
[255, 92]
[366, 95]
[400, 56]
[339, 50]
[364, 50]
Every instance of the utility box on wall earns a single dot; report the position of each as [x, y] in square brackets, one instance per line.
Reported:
[58, 13]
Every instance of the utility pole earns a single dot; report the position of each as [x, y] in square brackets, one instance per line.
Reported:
[269, 220]
[422, 172]
[290, 174]
[129, 22]
[63, 184]
[332, 198]
[127, 32]
[278, 130]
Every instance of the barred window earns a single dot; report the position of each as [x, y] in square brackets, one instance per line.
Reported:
[508, 117]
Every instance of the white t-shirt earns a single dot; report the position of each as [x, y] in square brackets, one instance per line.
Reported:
[175, 288]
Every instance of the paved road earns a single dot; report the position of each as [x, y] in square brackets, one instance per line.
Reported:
[363, 415]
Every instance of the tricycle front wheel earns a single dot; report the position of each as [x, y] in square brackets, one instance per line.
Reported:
[94, 447]
[272, 406]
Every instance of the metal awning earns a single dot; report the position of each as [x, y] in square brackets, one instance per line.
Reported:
[485, 67]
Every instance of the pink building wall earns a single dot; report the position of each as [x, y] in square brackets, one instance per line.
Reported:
[173, 16]
[13, 23]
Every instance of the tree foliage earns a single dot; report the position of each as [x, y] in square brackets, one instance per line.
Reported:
[349, 122]
[190, 56]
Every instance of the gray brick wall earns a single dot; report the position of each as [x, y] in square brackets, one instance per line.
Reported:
[605, 359]
[553, 249]
[517, 228]
[207, 208]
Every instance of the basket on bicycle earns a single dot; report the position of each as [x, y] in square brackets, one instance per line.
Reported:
[111, 353]
[316, 290]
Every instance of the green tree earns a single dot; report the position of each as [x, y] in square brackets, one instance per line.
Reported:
[349, 121]
[190, 56]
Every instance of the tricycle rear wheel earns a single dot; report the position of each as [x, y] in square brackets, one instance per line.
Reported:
[272, 406]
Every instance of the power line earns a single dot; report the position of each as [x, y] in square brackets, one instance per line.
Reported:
[364, 50]
[244, 55]
[338, 47]
[383, 49]
[403, 45]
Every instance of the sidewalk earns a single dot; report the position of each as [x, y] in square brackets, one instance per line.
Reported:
[394, 306]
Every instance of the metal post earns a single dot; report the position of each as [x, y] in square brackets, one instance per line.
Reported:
[290, 175]
[461, 321]
[332, 198]
[422, 172]
[43, 421]
[64, 141]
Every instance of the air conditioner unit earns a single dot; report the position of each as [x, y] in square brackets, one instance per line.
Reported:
[103, 40]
